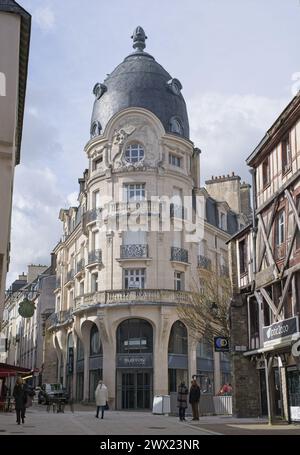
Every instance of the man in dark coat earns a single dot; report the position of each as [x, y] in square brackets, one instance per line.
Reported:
[194, 399]
[20, 396]
[182, 399]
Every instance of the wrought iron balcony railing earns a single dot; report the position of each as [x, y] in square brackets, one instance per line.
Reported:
[179, 254]
[204, 262]
[80, 265]
[134, 251]
[95, 257]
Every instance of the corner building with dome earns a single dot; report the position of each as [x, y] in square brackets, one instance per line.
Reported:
[117, 289]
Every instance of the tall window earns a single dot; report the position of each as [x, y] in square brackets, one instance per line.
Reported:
[178, 342]
[134, 278]
[298, 232]
[81, 288]
[266, 172]
[280, 228]
[94, 282]
[222, 221]
[286, 158]
[96, 199]
[95, 341]
[254, 324]
[178, 281]
[134, 192]
[95, 240]
[134, 153]
[243, 256]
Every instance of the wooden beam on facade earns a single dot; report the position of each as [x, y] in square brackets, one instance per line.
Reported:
[284, 294]
[274, 208]
[269, 301]
[267, 243]
[292, 203]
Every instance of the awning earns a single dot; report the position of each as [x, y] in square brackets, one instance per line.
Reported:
[12, 370]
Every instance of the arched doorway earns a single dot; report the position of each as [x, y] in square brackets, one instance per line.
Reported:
[178, 356]
[134, 364]
[95, 361]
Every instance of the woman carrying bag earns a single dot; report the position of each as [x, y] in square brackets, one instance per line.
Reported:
[101, 395]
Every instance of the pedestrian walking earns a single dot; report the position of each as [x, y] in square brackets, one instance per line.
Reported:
[20, 396]
[194, 399]
[182, 400]
[101, 395]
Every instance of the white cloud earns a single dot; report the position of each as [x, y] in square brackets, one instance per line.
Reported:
[227, 128]
[44, 18]
[35, 225]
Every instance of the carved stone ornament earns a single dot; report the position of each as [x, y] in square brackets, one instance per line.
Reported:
[99, 90]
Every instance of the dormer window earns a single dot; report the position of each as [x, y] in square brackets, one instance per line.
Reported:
[176, 126]
[134, 153]
[95, 129]
[222, 221]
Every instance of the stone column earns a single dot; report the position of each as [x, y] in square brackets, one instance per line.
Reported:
[109, 371]
[160, 368]
[86, 374]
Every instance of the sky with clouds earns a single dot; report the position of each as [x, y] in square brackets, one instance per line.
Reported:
[238, 62]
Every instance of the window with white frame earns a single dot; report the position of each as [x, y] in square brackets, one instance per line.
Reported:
[95, 241]
[222, 221]
[134, 153]
[94, 282]
[174, 160]
[178, 281]
[96, 199]
[134, 278]
[280, 228]
[134, 192]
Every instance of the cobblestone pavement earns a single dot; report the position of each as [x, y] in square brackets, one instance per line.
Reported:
[83, 422]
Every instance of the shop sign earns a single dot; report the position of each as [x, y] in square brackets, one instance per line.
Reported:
[280, 331]
[221, 344]
[134, 361]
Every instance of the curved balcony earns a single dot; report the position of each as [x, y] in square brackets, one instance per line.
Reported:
[179, 255]
[132, 296]
[94, 258]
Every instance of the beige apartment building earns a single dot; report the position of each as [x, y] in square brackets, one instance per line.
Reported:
[15, 25]
[121, 270]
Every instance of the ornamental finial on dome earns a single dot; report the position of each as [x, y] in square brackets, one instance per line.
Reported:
[139, 37]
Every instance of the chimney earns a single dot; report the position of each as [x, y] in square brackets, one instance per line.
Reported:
[53, 263]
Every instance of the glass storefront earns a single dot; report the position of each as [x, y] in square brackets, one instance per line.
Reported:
[293, 383]
[177, 356]
[134, 364]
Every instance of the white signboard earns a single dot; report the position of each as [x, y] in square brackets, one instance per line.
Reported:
[295, 413]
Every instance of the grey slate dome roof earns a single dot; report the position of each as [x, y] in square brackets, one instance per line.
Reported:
[139, 81]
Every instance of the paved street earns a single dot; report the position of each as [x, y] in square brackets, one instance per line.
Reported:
[83, 422]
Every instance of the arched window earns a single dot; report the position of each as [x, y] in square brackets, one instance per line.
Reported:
[134, 336]
[95, 342]
[134, 153]
[80, 350]
[178, 342]
[176, 126]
